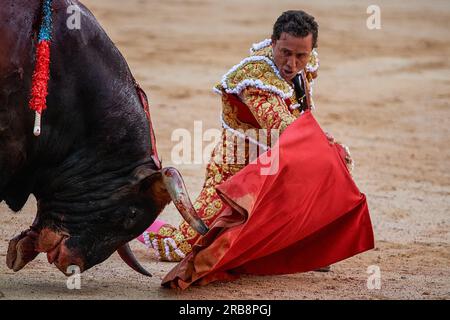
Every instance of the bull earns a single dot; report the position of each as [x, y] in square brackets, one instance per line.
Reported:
[94, 170]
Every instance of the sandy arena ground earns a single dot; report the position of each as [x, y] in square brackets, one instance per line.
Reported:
[384, 92]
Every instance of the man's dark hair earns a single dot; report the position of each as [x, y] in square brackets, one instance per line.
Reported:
[297, 23]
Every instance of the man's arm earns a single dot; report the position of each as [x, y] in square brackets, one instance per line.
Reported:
[269, 109]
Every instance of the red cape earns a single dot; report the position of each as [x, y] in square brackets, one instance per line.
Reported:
[306, 215]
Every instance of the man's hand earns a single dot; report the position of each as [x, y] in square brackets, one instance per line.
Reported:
[348, 158]
[330, 138]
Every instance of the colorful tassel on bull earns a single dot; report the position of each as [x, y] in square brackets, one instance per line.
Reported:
[41, 74]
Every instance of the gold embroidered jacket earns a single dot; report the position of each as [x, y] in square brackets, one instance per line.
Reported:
[254, 96]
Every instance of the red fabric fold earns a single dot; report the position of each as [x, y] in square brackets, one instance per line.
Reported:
[306, 215]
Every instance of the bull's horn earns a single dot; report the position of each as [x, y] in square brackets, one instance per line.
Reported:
[175, 186]
[127, 255]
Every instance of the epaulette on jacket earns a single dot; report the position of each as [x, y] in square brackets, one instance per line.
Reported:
[258, 71]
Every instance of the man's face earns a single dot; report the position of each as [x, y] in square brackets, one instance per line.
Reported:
[291, 54]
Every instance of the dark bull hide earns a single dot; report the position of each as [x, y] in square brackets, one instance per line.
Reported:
[91, 172]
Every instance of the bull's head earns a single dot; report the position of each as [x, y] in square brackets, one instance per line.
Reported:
[86, 240]
[96, 185]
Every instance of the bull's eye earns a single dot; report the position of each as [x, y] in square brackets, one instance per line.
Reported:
[133, 213]
[130, 220]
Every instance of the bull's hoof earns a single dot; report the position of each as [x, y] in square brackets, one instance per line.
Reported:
[22, 250]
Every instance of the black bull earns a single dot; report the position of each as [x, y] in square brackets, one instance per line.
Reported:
[91, 171]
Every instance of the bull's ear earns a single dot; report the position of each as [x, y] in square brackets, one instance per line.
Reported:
[151, 186]
[141, 173]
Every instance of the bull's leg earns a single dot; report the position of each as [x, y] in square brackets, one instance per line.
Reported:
[12, 158]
